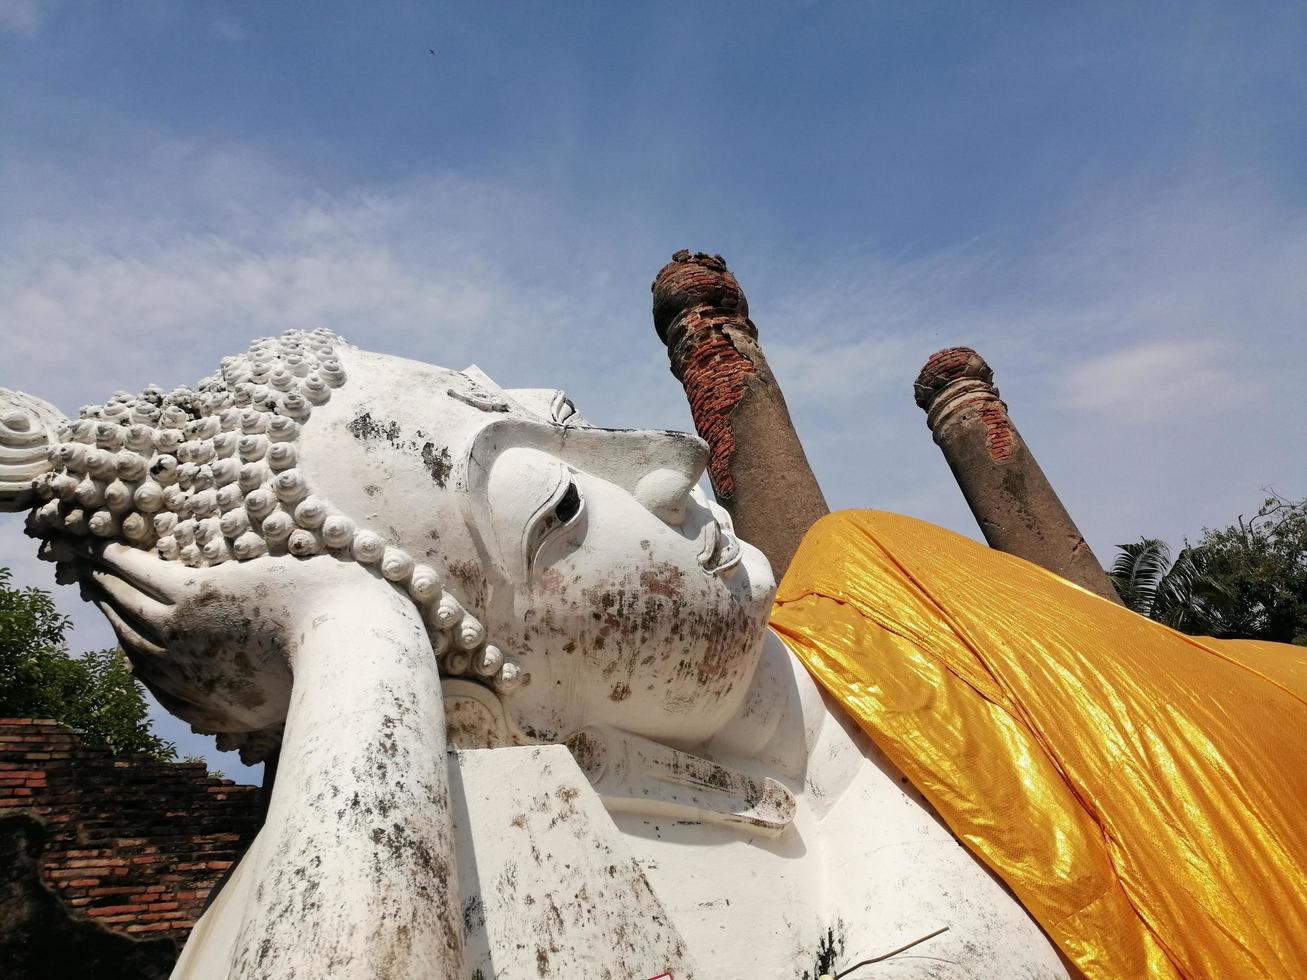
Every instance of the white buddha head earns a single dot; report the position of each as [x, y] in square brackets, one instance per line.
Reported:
[576, 572]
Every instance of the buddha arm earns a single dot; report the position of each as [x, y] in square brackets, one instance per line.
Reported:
[357, 875]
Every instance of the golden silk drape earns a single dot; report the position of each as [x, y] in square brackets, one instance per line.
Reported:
[1142, 792]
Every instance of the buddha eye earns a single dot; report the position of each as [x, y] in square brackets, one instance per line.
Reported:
[569, 506]
[561, 513]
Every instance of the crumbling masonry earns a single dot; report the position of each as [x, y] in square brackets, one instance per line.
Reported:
[1012, 500]
[129, 846]
[758, 469]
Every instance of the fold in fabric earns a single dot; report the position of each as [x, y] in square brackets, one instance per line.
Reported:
[1142, 792]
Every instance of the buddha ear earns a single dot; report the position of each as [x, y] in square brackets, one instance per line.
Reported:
[28, 427]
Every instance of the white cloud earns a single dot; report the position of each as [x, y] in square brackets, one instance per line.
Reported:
[21, 17]
[228, 29]
[1157, 380]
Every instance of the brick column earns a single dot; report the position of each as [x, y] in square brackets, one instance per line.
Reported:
[758, 469]
[1013, 502]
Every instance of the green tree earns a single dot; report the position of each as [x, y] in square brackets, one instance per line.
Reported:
[1262, 563]
[95, 694]
[1183, 594]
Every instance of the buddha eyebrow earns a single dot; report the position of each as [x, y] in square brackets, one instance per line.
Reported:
[476, 396]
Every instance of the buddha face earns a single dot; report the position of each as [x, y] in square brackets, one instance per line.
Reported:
[625, 593]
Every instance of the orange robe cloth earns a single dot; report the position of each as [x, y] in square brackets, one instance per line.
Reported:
[1142, 792]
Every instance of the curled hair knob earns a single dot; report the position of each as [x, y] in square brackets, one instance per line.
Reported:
[64, 486]
[281, 455]
[131, 465]
[252, 447]
[277, 526]
[164, 470]
[260, 502]
[303, 543]
[289, 487]
[139, 438]
[206, 529]
[470, 633]
[89, 493]
[138, 529]
[368, 547]
[234, 523]
[252, 476]
[75, 522]
[509, 678]
[248, 545]
[396, 565]
[457, 662]
[225, 443]
[216, 551]
[118, 496]
[148, 498]
[184, 531]
[230, 497]
[448, 611]
[488, 660]
[338, 531]
[102, 465]
[441, 641]
[103, 524]
[424, 586]
[311, 512]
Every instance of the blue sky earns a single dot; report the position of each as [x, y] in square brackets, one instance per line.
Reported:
[1109, 201]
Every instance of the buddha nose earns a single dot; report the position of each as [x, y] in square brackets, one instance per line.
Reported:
[657, 467]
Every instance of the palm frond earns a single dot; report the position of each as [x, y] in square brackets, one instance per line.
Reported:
[1138, 571]
[1187, 597]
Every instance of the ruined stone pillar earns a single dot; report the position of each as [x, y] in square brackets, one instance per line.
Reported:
[757, 466]
[1013, 502]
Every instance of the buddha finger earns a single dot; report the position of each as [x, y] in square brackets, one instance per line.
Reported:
[146, 573]
[130, 600]
[127, 636]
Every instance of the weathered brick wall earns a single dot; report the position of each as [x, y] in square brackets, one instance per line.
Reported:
[135, 844]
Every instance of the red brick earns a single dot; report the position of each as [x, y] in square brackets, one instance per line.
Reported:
[117, 909]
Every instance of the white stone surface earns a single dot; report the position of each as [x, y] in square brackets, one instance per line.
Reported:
[549, 886]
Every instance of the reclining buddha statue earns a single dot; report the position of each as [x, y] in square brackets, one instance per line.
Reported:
[530, 718]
